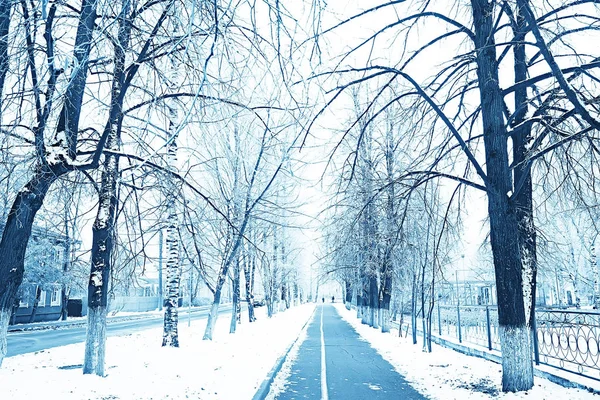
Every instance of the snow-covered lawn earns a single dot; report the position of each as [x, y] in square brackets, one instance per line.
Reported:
[229, 367]
[446, 374]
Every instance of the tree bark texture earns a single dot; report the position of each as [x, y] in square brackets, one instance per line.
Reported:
[248, 270]
[103, 230]
[15, 237]
[95, 349]
[523, 195]
[173, 265]
[236, 297]
[517, 369]
[28, 201]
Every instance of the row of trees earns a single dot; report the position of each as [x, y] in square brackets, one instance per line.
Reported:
[497, 97]
[185, 115]
[163, 115]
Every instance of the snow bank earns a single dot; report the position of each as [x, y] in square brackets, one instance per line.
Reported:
[137, 367]
[446, 374]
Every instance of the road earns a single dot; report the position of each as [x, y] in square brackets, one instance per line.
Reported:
[31, 341]
[334, 363]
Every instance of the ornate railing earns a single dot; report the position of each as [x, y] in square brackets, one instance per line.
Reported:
[567, 340]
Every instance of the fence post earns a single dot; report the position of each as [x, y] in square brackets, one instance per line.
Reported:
[459, 330]
[536, 349]
[439, 320]
[489, 327]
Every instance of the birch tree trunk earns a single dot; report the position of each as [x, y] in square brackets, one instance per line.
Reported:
[236, 194]
[173, 265]
[248, 278]
[387, 266]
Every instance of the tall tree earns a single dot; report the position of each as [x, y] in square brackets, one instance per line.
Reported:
[52, 162]
[170, 332]
[103, 230]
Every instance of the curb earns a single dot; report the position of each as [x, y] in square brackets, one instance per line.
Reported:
[265, 386]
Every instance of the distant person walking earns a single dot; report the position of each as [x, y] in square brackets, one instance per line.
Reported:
[333, 299]
[323, 299]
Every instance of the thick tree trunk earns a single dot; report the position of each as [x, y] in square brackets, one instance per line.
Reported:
[95, 348]
[98, 285]
[103, 230]
[28, 201]
[523, 196]
[15, 237]
[517, 367]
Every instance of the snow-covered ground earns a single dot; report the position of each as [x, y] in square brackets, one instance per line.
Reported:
[446, 374]
[229, 367]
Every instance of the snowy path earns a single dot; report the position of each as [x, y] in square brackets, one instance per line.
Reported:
[333, 363]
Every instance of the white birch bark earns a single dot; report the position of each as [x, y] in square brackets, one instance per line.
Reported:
[173, 264]
[236, 217]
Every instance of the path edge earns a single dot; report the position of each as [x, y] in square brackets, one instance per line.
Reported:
[265, 386]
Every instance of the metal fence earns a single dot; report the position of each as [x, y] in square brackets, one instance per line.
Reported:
[567, 340]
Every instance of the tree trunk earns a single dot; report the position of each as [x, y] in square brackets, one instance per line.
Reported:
[103, 230]
[64, 290]
[374, 300]
[36, 302]
[15, 237]
[348, 299]
[28, 201]
[385, 301]
[517, 367]
[523, 196]
[171, 316]
[102, 246]
[95, 344]
[236, 297]
[213, 315]
[248, 269]
[413, 309]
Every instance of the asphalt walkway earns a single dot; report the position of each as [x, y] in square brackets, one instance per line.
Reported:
[335, 363]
